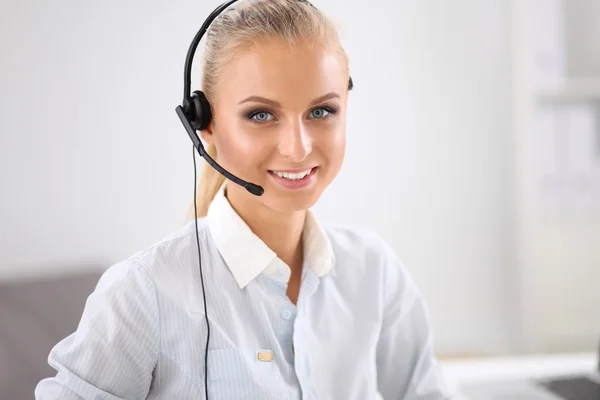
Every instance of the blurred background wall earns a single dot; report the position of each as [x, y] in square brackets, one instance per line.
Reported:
[441, 158]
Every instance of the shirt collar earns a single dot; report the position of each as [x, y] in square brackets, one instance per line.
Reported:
[247, 256]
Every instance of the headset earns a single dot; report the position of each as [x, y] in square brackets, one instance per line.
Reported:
[195, 115]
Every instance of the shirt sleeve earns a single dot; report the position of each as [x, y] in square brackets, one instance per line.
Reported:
[406, 366]
[114, 350]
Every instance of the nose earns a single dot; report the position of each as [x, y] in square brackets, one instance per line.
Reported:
[295, 142]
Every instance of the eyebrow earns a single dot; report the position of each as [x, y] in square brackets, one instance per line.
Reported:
[276, 104]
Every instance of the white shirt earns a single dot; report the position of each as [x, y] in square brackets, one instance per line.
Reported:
[360, 329]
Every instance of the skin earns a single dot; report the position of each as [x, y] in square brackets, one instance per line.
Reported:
[255, 137]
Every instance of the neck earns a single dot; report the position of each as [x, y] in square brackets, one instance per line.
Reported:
[281, 232]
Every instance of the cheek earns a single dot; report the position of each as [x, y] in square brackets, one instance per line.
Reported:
[240, 150]
[336, 148]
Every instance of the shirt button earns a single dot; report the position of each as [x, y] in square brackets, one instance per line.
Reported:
[286, 314]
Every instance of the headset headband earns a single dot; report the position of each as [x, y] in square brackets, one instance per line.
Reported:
[187, 73]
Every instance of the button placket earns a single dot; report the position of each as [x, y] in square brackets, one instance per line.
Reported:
[302, 358]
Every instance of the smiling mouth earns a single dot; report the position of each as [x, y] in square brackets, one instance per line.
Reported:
[294, 180]
[293, 176]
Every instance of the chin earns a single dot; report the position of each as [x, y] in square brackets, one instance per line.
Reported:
[293, 201]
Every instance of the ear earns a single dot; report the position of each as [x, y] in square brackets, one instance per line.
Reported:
[207, 134]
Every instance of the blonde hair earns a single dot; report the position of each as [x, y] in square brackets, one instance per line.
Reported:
[247, 23]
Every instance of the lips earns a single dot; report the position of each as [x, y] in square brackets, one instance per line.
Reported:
[294, 183]
[292, 175]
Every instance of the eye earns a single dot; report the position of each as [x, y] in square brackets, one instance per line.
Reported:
[322, 113]
[261, 116]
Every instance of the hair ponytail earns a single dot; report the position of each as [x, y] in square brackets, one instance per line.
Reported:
[210, 183]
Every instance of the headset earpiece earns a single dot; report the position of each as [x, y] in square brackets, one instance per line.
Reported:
[198, 111]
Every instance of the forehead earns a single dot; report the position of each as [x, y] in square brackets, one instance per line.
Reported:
[279, 70]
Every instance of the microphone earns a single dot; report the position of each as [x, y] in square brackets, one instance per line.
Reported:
[253, 188]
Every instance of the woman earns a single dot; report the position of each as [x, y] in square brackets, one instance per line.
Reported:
[296, 310]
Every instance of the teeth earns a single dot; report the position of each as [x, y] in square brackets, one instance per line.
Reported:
[293, 176]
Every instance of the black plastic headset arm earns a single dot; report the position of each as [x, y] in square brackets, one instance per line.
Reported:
[252, 188]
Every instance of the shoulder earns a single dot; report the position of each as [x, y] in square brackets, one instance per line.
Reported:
[364, 252]
[174, 245]
[358, 243]
[173, 254]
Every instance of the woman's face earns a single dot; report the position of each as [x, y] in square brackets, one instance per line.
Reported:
[276, 110]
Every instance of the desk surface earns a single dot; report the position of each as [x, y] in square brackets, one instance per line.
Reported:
[458, 372]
